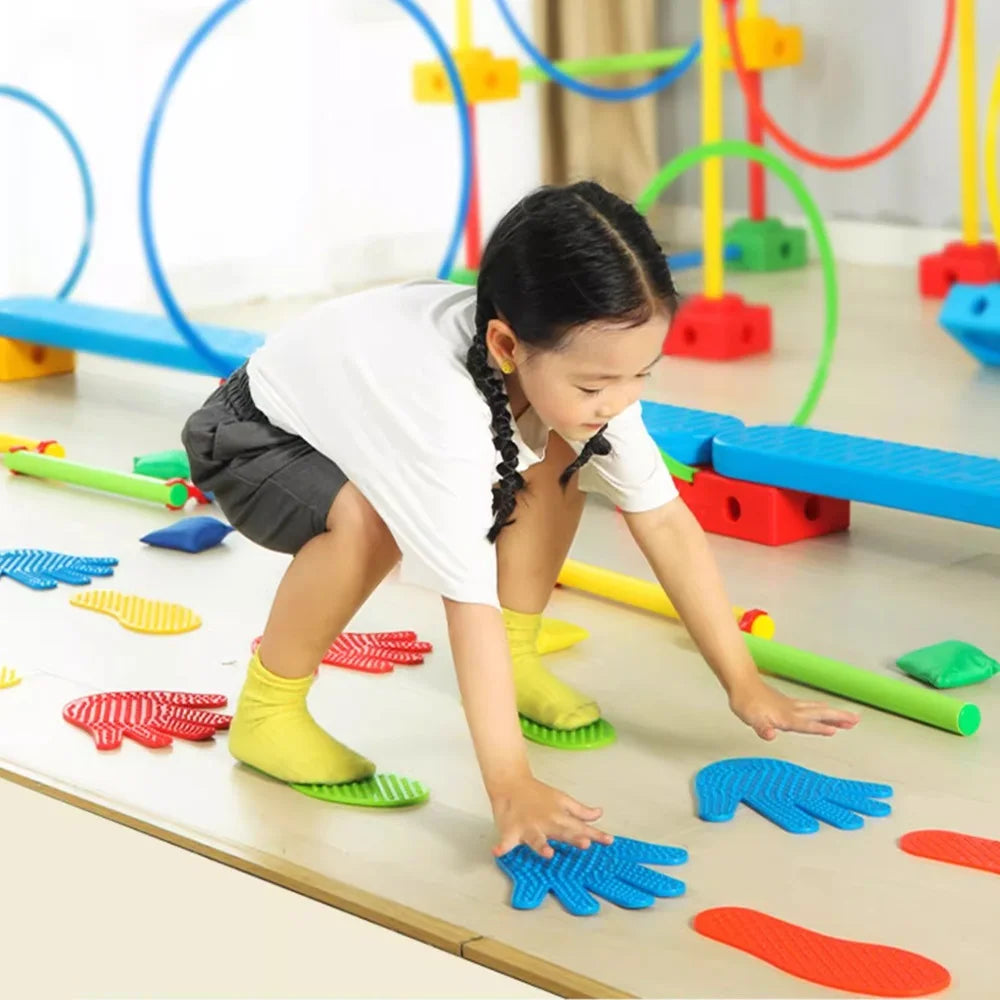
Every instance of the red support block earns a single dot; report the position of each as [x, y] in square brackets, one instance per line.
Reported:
[719, 329]
[958, 263]
[753, 512]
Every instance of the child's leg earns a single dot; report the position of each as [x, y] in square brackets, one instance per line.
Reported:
[327, 581]
[530, 553]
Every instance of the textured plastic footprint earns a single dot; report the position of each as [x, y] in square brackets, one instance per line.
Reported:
[954, 848]
[853, 966]
[140, 614]
[598, 734]
[383, 791]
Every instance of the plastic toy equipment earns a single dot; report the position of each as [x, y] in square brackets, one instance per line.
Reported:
[886, 693]
[25, 360]
[645, 595]
[173, 494]
[731, 343]
[8, 442]
[971, 261]
[211, 358]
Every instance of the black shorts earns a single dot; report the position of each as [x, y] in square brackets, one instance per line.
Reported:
[273, 487]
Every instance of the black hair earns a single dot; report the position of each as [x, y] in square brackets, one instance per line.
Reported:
[561, 258]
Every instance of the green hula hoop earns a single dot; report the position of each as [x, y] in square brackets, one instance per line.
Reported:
[747, 151]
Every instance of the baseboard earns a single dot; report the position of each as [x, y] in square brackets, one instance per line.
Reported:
[853, 241]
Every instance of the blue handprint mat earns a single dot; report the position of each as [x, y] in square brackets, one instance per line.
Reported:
[614, 872]
[790, 796]
[41, 569]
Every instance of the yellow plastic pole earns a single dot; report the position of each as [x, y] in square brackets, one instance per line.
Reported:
[711, 131]
[966, 23]
[639, 593]
[8, 441]
[990, 154]
[463, 24]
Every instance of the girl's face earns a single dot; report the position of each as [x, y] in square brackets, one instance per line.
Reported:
[598, 371]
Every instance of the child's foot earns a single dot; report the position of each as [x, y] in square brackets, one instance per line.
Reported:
[273, 731]
[540, 696]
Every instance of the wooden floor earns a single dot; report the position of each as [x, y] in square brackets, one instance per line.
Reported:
[894, 583]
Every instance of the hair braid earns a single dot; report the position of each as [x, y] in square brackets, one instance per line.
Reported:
[490, 384]
[597, 445]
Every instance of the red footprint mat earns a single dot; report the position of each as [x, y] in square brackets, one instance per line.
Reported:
[853, 966]
[954, 848]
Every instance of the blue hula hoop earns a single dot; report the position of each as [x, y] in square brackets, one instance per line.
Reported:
[166, 296]
[553, 72]
[17, 94]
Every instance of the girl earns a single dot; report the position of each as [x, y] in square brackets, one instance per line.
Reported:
[369, 432]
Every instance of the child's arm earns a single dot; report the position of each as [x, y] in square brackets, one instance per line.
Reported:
[678, 553]
[526, 810]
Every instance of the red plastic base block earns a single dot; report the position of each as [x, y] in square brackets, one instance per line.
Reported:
[975, 264]
[757, 513]
[719, 329]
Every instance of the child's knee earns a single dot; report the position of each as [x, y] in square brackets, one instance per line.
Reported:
[351, 513]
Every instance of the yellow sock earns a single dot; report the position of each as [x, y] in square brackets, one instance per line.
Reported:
[273, 731]
[540, 696]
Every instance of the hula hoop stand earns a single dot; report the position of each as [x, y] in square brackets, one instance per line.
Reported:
[971, 261]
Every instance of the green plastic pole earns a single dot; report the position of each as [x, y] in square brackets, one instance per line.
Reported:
[608, 65]
[126, 484]
[842, 679]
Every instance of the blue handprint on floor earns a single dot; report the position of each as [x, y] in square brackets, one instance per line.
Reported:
[614, 872]
[40, 569]
[790, 796]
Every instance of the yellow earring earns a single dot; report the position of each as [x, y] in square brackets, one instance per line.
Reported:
[506, 367]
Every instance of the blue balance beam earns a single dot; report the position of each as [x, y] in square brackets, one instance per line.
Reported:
[117, 333]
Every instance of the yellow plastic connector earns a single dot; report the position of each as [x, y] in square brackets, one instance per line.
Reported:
[20, 360]
[484, 78]
[766, 44]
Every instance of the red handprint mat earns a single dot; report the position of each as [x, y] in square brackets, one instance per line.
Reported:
[853, 966]
[151, 718]
[954, 848]
[372, 652]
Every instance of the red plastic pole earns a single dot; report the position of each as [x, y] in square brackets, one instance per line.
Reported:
[473, 226]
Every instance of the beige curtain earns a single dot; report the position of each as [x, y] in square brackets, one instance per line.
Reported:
[582, 138]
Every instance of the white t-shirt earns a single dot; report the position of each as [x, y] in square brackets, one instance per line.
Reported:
[377, 382]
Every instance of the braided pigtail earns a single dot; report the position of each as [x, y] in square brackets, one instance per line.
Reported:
[597, 445]
[490, 384]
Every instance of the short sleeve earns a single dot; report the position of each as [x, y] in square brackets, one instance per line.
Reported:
[633, 476]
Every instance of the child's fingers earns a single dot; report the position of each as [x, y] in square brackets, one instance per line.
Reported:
[539, 843]
[587, 813]
[508, 842]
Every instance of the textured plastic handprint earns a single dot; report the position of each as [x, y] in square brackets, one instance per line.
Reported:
[614, 872]
[152, 718]
[41, 569]
[790, 796]
[372, 652]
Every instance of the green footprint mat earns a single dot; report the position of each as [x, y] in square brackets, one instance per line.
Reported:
[598, 734]
[384, 791]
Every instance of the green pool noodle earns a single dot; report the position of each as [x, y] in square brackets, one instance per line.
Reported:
[626, 62]
[863, 686]
[125, 484]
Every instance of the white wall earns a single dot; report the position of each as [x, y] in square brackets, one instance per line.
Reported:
[293, 159]
[866, 65]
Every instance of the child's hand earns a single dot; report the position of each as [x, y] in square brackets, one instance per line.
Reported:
[530, 812]
[767, 711]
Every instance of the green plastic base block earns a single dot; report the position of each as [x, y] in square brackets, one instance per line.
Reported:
[384, 791]
[766, 245]
[598, 734]
[464, 275]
